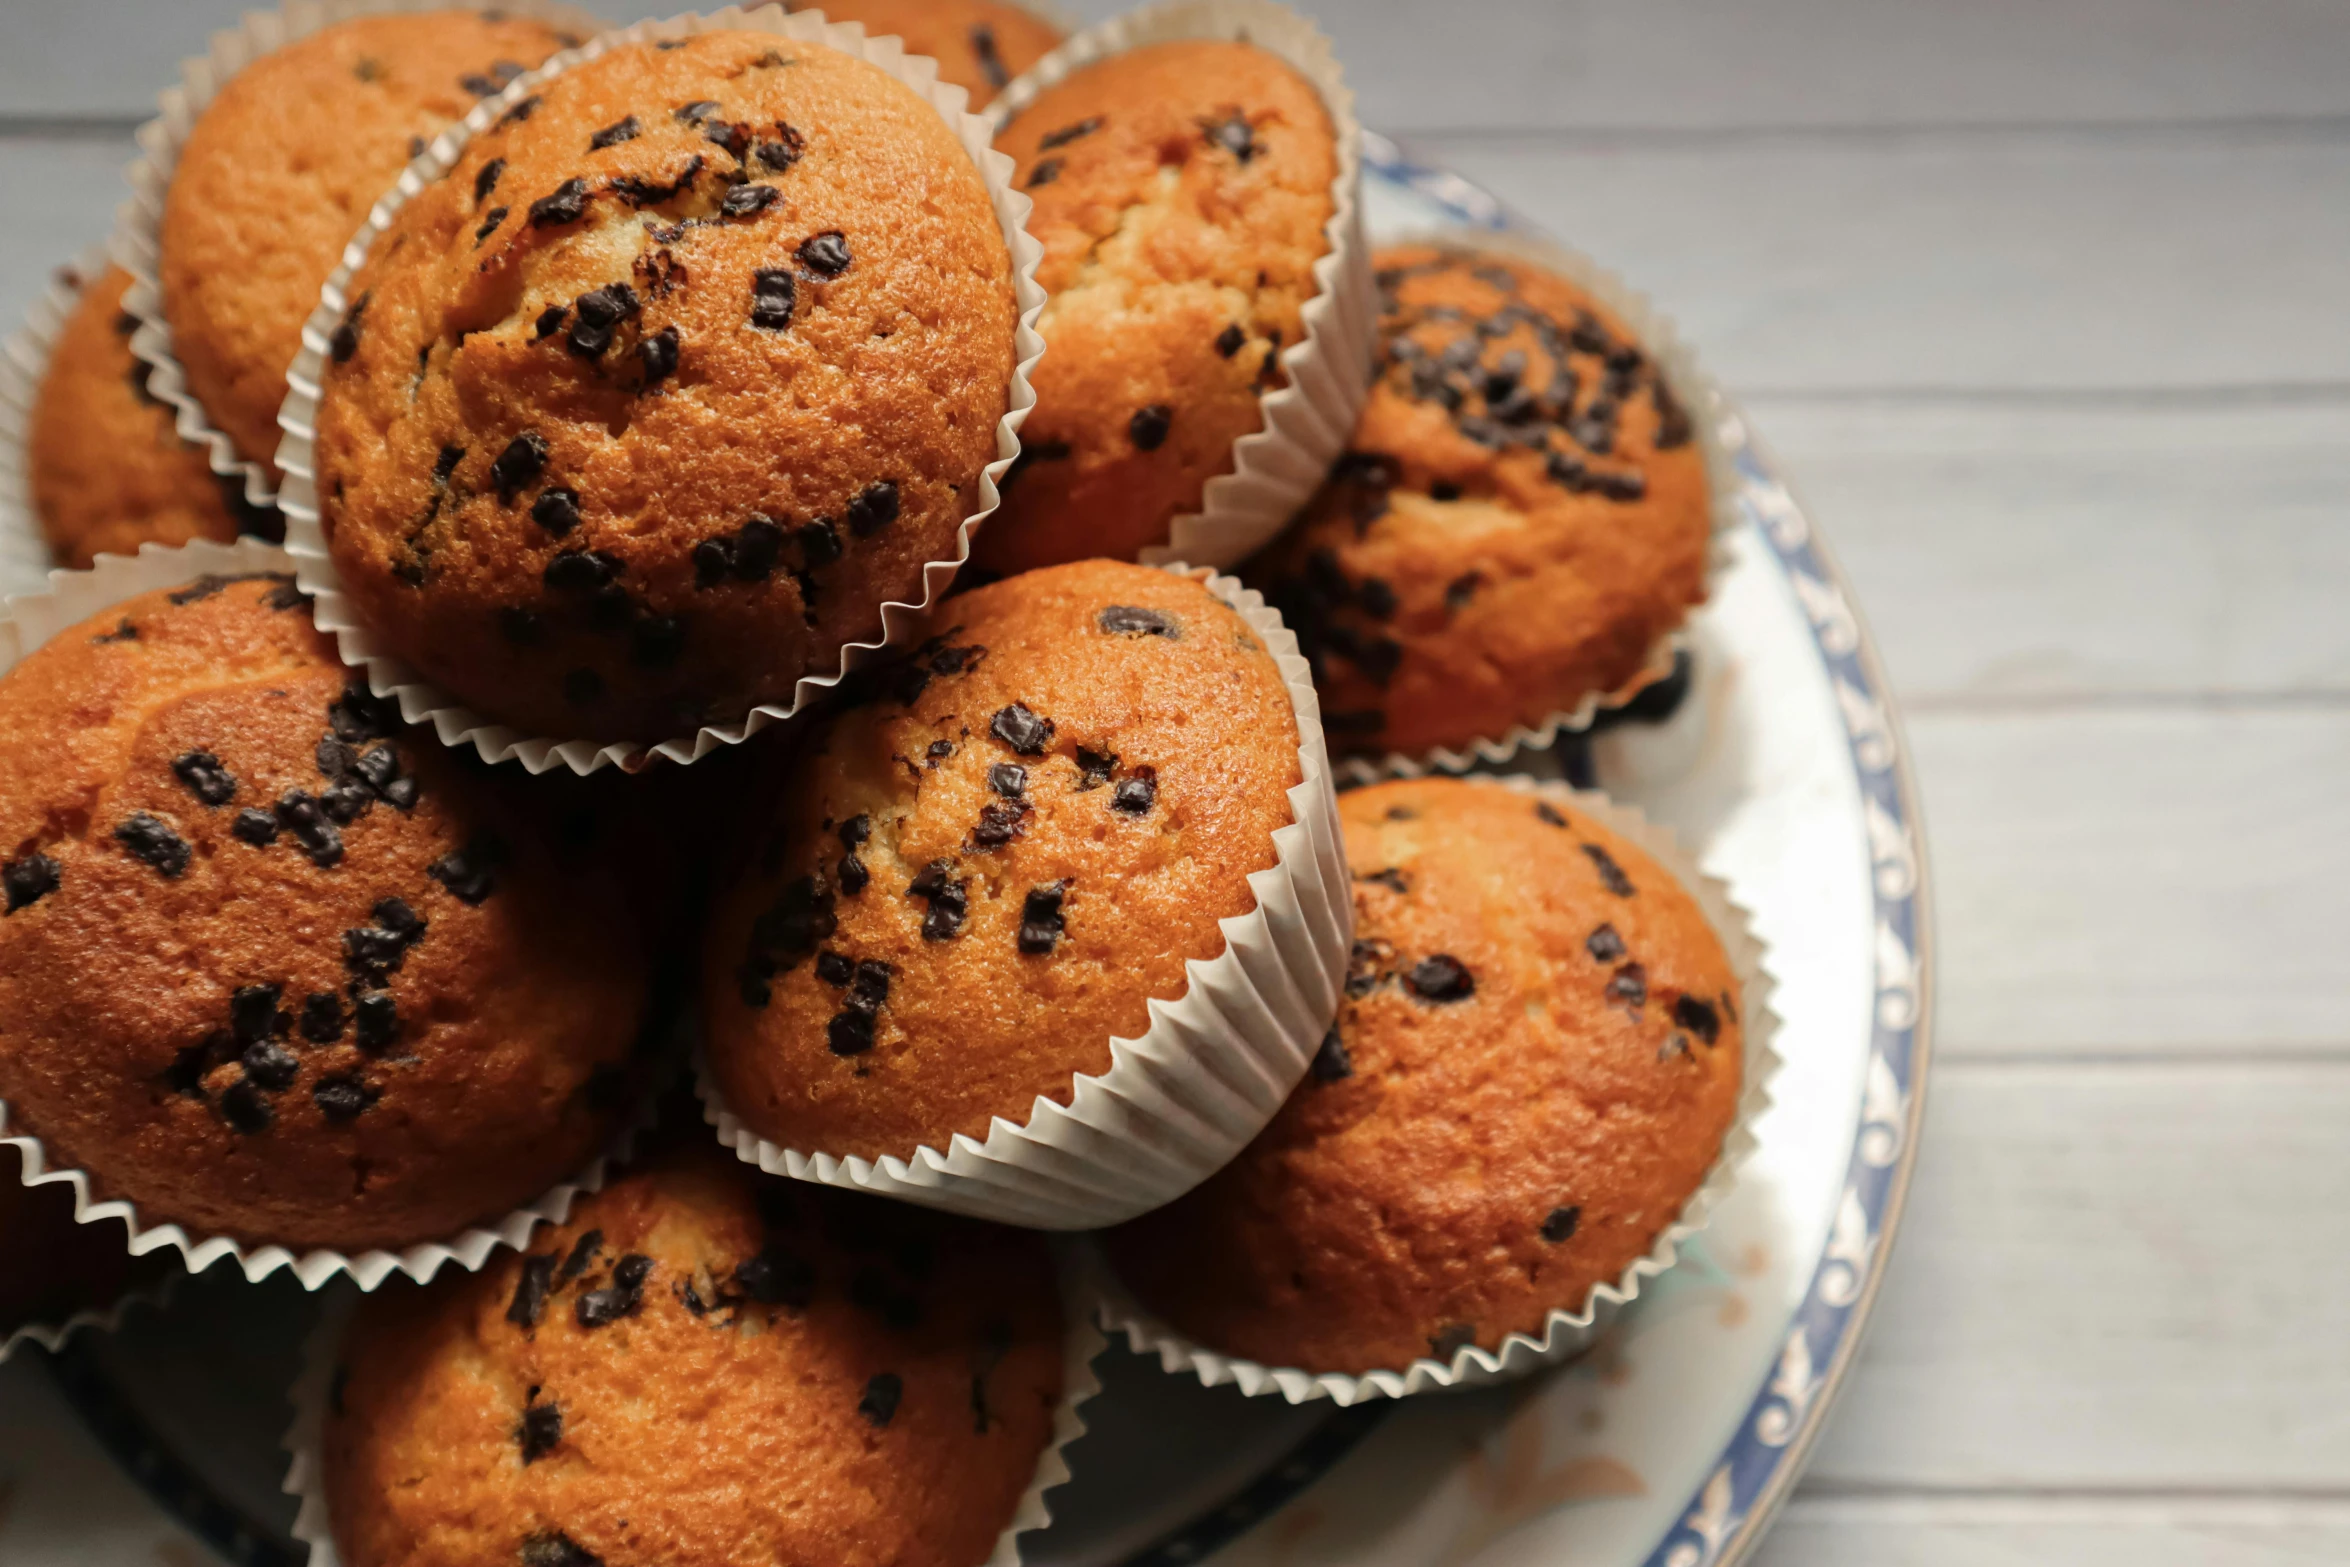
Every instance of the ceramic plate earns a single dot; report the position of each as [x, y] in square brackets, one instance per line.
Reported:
[1671, 1443]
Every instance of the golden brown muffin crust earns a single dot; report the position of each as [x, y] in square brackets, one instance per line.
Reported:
[795, 1375]
[1181, 194]
[619, 445]
[1521, 516]
[108, 471]
[980, 45]
[1095, 762]
[248, 1017]
[1535, 1065]
[281, 169]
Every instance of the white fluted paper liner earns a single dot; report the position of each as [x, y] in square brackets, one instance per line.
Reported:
[1691, 388]
[26, 622]
[24, 360]
[1565, 1333]
[1308, 419]
[51, 1336]
[423, 702]
[139, 223]
[1204, 1078]
[1082, 1343]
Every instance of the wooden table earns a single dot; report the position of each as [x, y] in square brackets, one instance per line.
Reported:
[2047, 307]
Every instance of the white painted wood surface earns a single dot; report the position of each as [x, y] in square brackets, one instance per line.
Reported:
[2047, 307]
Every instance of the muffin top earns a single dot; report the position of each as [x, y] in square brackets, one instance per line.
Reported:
[975, 880]
[281, 169]
[1181, 194]
[690, 363]
[108, 471]
[82, 1267]
[705, 1365]
[1522, 515]
[980, 45]
[272, 966]
[1535, 1064]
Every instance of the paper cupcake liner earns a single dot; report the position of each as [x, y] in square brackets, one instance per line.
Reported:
[1307, 420]
[1694, 390]
[1204, 1078]
[24, 360]
[26, 622]
[139, 222]
[420, 700]
[1565, 1333]
[51, 1336]
[305, 1478]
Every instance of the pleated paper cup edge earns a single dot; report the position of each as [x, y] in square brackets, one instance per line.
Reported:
[1243, 508]
[420, 700]
[1565, 1333]
[24, 362]
[925, 1175]
[52, 1336]
[136, 245]
[1695, 391]
[1082, 1343]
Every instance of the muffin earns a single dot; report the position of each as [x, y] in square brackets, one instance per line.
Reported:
[107, 470]
[274, 967]
[708, 1366]
[689, 364]
[975, 880]
[1181, 190]
[281, 169]
[57, 1267]
[980, 45]
[1535, 1066]
[1522, 515]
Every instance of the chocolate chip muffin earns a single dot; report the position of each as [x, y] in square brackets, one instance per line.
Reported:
[1181, 193]
[980, 45]
[686, 367]
[281, 169]
[276, 968]
[56, 1267]
[980, 876]
[1522, 515]
[1536, 1064]
[706, 1365]
[108, 473]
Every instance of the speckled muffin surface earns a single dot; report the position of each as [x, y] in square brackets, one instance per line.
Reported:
[977, 879]
[980, 45]
[690, 363]
[273, 967]
[108, 472]
[1181, 193]
[705, 1368]
[1536, 1062]
[281, 169]
[1522, 515]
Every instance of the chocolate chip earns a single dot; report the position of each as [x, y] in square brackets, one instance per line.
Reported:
[1331, 1062]
[322, 1017]
[551, 320]
[269, 1065]
[1133, 620]
[874, 508]
[123, 630]
[583, 1251]
[1232, 133]
[557, 1550]
[1544, 811]
[487, 180]
[345, 341]
[580, 571]
[614, 134]
[1392, 878]
[520, 627]
[253, 1014]
[694, 113]
[849, 1033]
[784, 151]
[773, 292]
[1008, 779]
[1149, 426]
[601, 310]
[344, 1096]
[359, 714]
[748, 200]
[566, 204]
[557, 508]
[937, 751]
[1230, 340]
[468, 872]
[1069, 133]
[541, 1431]
[531, 1291]
[1094, 768]
[1022, 730]
[1000, 821]
[1440, 977]
[1698, 1017]
[1559, 1224]
[1611, 875]
[1377, 598]
[204, 777]
[775, 1277]
[1135, 795]
[583, 687]
[1452, 1340]
[758, 544]
[1044, 173]
[522, 461]
[1445, 490]
[257, 828]
[521, 111]
[489, 224]
[1629, 986]
[834, 969]
[1042, 919]
[658, 355]
[153, 842]
[881, 1398]
[376, 1017]
[334, 756]
[656, 641]
[991, 61]
[1604, 945]
[244, 1109]
[624, 1297]
[825, 254]
[949, 899]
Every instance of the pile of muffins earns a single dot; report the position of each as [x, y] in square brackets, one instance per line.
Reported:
[674, 398]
